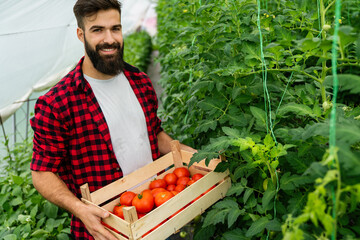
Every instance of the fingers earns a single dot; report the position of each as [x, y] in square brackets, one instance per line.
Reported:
[103, 234]
[91, 217]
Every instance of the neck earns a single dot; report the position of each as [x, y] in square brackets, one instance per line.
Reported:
[89, 69]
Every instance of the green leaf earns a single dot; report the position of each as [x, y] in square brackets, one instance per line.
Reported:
[227, 207]
[247, 194]
[50, 210]
[16, 201]
[257, 227]
[296, 203]
[215, 216]
[236, 234]
[23, 219]
[268, 141]
[259, 115]
[63, 236]
[10, 237]
[273, 225]
[205, 233]
[205, 125]
[34, 211]
[268, 196]
[233, 216]
[40, 233]
[235, 189]
[231, 132]
[17, 179]
[347, 82]
[290, 182]
[298, 109]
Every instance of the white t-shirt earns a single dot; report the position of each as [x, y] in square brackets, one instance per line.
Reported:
[126, 121]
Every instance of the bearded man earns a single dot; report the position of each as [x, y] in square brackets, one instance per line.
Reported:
[98, 124]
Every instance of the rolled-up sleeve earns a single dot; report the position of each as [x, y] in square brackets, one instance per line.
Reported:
[49, 144]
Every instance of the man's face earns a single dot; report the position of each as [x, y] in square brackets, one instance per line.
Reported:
[104, 42]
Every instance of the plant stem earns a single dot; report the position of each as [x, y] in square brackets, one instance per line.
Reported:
[324, 68]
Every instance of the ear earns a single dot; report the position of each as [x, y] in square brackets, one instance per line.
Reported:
[80, 34]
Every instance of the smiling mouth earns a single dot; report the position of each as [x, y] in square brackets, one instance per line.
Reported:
[108, 50]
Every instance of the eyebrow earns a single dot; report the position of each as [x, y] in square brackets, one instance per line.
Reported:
[101, 27]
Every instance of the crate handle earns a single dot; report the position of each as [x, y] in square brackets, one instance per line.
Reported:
[175, 149]
[85, 192]
[130, 214]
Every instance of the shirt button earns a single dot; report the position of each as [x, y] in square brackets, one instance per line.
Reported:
[117, 169]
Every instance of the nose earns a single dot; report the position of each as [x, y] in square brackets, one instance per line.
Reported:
[108, 38]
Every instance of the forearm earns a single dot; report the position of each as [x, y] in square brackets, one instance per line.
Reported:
[164, 143]
[51, 187]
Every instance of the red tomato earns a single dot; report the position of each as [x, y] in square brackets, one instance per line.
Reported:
[208, 190]
[190, 182]
[158, 183]
[143, 202]
[154, 228]
[155, 191]
[118, 211]
[197, 176]
[179, 188]
[174, 192]
[170, 179]
[162, 197]
[108, 226]
[126, 198]
[146, 190]
[183, 181]
[171, 187]
[181, 172]
[140, 215]
[177, 212]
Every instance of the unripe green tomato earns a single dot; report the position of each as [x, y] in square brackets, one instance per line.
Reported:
[265, 184]
[326, 105]
[326, 27]
[197, 218]
[183, 234]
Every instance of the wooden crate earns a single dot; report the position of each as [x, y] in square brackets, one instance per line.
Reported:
[134, 228]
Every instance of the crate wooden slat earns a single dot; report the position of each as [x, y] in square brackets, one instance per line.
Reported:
[134, 228]
[190, 212]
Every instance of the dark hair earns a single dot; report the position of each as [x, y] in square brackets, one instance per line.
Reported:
[87, 8]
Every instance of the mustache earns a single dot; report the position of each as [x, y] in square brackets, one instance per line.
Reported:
[107, 45]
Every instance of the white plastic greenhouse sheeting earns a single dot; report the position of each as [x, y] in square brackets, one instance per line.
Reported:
[38, 44]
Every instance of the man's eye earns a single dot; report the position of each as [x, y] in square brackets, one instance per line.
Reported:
[97, 30]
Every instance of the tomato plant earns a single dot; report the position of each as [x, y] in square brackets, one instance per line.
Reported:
[253, 81]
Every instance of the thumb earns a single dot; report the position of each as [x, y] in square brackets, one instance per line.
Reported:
[100, 212]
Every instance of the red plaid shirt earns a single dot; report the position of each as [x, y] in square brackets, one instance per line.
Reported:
[71, 136]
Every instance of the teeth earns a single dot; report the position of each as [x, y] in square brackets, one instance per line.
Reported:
[108, 49]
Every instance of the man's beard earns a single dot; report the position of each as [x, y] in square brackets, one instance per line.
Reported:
[109, 65]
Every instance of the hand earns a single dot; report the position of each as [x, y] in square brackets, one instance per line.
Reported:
[91, 217]
[188, 148]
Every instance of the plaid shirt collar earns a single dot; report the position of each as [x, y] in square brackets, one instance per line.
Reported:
[94, 107]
